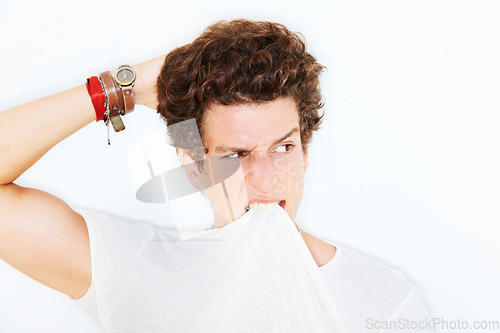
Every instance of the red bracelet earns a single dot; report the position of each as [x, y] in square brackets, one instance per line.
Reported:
[97, 96]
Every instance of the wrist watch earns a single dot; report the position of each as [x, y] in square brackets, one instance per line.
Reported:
[125, 78]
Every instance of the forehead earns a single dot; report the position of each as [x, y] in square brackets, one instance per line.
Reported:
[249, 124]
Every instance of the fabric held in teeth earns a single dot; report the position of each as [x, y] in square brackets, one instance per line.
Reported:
[253, 275]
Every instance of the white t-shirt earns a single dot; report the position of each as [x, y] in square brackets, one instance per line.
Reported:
[368, 294]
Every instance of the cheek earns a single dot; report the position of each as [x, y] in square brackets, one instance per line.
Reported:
[291, 166]
[291, 176]
[235, 184]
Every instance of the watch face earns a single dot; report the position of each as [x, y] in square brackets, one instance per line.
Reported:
[125, 76]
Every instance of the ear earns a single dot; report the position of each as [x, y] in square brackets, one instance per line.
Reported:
[195, 176]
[190, 167]
[184, 157]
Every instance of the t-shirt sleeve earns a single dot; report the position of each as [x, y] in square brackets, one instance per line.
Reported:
[411, 315]
[370, 295]
[115, 245]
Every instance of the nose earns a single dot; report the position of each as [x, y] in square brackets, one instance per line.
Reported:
[262, 173]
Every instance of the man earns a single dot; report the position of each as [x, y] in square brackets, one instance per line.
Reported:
[252, 90]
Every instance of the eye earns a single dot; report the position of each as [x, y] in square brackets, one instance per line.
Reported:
[238, 154]
[285, 148]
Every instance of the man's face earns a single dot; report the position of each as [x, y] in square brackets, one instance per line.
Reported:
[265, 138]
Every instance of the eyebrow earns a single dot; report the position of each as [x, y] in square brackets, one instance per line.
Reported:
[225, 149]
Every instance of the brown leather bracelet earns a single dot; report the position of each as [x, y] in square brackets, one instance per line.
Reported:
[115, 101]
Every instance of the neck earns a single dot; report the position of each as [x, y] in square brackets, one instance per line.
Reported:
[321, 252]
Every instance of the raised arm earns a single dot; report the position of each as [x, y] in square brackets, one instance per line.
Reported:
[40, 235]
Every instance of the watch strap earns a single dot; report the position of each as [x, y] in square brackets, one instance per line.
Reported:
[128, 98]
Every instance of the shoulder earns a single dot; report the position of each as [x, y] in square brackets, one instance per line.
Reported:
[111, 222]
[368, 290]
[120, 238]
[359, 269]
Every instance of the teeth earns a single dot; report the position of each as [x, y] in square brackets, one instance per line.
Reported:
[260, 205]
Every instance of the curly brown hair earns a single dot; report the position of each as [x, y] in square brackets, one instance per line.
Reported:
[238, 62]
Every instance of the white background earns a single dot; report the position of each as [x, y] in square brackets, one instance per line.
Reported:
[404, 170]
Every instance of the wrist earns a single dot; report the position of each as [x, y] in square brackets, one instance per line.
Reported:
[141, 88]
[145, 89]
